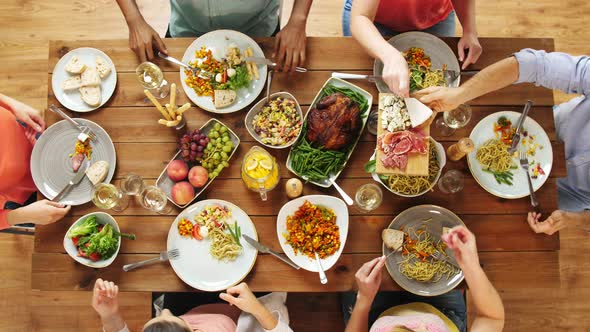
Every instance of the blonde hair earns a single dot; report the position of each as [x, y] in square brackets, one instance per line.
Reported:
[401, 328]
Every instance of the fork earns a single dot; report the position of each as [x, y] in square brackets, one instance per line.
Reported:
[164, 256]
[196, 71]
[439, 257]
[524, 163]
[83, 128]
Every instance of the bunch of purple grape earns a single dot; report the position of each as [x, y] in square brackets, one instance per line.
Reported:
[192, 145]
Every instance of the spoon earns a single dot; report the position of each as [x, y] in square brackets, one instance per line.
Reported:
[342, 193]
[323, 278]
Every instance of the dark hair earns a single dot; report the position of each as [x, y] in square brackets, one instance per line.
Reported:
[166, 326]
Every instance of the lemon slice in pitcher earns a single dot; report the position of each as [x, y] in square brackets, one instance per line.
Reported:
[266, 164]
[251, 164]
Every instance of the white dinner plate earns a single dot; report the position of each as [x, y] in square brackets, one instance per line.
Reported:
[218, 42]
[439, 52]
[71, 99]
[484, 131]
[50, 160]
[341, 211]
[195, 265]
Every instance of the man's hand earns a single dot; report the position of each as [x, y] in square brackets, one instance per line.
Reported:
[462, 242]
[143, 39]
[42, 212]
[440, 99]
[470, 42]
[290, 46]
[396, 73]
[556, 221]
[105, 299]
[368, 278]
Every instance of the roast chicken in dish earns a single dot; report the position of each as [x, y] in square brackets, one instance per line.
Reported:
[334, 122]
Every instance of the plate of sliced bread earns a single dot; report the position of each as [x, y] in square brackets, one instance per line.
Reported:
[84, 79]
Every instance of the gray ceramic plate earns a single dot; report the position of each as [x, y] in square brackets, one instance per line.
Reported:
[415, 217]
[50, 161]
[440, 53]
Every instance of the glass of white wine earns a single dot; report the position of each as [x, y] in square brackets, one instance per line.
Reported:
[368, 197]
[154, 199]
[108, 197]
[453, 120]
[132, 184]
[150, 76]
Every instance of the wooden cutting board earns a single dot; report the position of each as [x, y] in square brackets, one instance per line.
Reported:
[417, 163]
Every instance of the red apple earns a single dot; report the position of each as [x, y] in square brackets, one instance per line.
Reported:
[182, 193]
[198, 176]
[177, 170]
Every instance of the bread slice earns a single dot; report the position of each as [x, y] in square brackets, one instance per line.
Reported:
[91, 95]
[392, 238]
[74, 66]
[446, 230]
[90, 77]
[104, 69]
[224, 98]
[72, 83]
[97, 172]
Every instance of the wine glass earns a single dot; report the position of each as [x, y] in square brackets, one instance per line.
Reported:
[373, 121]
[368, 197]
[154, 199]
[108, 197]
[132, 184]
[151, 77]
[451, 182]
[453, 119]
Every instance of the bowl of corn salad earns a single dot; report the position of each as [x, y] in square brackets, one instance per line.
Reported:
[313, 223]
[275, 124]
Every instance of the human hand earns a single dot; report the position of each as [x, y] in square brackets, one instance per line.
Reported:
[462, 242]
[469, 41]
[42, 212]
[143, 38]
[26, 114]
[105, 299]
[290, 46]
[440, 99]
[555, 222]
[242, 297]
[396, 73]
[368, 278]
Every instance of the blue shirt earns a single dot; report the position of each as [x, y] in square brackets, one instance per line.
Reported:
[570, 74]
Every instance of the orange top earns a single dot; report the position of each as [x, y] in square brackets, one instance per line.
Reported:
[408, 15]
[16, 183]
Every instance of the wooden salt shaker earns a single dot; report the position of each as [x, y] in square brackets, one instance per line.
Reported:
[460, 149]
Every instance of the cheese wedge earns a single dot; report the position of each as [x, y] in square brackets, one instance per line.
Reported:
[224, 98]
[91, 95]
[97, 172]
[104, 69]
[392, 238]
[74, 66]
[72, 83]
[90, 77]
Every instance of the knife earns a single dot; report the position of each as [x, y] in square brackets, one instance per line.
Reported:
[346, 76]
[73, 181]
[519, 124]
[267, 250]
[264, 61]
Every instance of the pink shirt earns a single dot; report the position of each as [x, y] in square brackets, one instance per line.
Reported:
[407, 15]
[422, 322]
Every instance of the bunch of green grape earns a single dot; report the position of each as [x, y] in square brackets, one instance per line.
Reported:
[217, 151]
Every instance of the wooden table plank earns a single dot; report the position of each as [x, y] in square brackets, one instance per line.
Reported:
[494, 233]
[59, 272]
[333, 53]
[305, 86]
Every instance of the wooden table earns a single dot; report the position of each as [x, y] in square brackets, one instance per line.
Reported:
[512, 255]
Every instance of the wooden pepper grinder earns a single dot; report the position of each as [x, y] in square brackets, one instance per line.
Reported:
[460, 149]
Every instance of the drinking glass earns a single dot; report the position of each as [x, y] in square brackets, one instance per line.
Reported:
[451, 182]
[108, 197]
[368, 197]
[373, 121]
[154, 199]
[150, 76]
[132, 184]
[453, 119]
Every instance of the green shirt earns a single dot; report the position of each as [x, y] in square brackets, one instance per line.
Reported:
[256, 18]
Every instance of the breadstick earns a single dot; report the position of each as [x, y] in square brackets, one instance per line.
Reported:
[248, 64]
[157, 104]
[183, 108]
[170, 110]
[169, 123]
[173, 96]
[254, 66]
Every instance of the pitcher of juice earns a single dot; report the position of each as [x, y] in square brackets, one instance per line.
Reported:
[260, 171]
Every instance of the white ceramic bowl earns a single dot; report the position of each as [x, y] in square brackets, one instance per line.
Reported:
[442, 160]
[101, 218]
[341, 211]
[258, 107]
